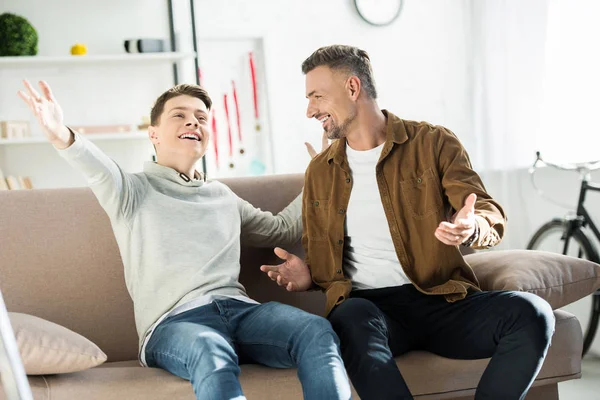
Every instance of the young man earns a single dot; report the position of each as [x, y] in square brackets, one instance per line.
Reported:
[179, 239]
[385, 210]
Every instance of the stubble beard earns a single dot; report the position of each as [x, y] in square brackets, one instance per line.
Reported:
[340, 131]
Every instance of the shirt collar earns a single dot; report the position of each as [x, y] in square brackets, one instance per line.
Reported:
[160, 171]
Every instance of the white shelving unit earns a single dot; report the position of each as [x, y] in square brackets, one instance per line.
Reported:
[45, 61]
[137, 135]
[125, 76]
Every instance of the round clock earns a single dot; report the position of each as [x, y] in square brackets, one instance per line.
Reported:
[379, 12]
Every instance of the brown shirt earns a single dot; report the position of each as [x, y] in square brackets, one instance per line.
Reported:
[424, 175]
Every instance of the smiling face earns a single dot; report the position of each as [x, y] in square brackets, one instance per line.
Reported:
[331, 100]
[181, 132]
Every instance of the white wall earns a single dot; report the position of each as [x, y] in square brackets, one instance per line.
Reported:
[420, 62]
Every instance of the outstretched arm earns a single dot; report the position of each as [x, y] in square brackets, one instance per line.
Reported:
[263, 229]
[115, 190]
[465, 192]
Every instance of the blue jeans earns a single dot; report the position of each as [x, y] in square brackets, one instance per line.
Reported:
[205, 345]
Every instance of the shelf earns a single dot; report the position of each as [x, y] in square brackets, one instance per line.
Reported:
[42, 61]
[95, 137]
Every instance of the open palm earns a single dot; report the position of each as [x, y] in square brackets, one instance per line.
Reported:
[46, 109]
[461, 226]
[293, 274]
[324, 145]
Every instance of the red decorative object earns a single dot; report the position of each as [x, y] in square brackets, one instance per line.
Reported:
[200, 77]
[228, 129]
[215, 136]
[254, 89]
[228, 125]
[237, 114]
[237, 111]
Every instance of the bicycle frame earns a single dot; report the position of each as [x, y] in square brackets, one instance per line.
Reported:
[571, 227]
[583, 217]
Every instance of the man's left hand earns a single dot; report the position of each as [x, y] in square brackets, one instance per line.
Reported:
[324, 145]
[462, 225]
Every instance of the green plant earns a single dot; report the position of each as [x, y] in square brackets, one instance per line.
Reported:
[17, 36]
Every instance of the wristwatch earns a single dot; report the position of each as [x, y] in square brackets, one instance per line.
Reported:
[469, 242]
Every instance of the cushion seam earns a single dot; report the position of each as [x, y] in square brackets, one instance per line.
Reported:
[63, 351]
[559, 285]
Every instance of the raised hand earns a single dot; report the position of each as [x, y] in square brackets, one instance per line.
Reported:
[48, 113]
[293, 274]
[461, 226]
[324, 145]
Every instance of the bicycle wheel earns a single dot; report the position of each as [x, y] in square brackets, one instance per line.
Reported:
[551, 237]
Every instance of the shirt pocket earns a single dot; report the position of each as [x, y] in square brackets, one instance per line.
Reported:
[317, 218]
[422, 194]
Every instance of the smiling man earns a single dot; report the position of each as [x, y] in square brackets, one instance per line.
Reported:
[385, 210]
[179, 238]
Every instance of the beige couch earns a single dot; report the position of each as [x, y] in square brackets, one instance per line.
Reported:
[59, 261]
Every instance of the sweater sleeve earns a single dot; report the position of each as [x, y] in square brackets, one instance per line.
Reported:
[117, 192]
[263, 229]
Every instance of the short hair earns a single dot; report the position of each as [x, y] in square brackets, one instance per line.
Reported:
[179, 90]
[349, 59]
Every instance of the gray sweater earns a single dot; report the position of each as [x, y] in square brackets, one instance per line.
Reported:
[178, 240]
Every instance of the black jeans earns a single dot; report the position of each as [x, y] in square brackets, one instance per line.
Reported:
[374, 326]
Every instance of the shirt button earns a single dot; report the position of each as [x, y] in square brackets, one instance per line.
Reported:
[347, 180]
[419, 180]
[340, 241]
[339, 271]
[341, 211]
[316, 204]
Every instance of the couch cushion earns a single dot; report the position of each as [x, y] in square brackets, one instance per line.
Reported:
[48, 348]
[429, 376]
[39, 389]
[558, 279]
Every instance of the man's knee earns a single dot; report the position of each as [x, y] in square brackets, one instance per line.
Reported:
[357, 318]
[320, 333]
[210, 351]
[212, 364]
[535, 314]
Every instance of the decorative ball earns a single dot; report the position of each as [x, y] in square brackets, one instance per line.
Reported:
[79, 49]
[17, 36]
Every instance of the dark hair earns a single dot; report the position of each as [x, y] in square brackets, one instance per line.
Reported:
[351, 60]
[179, 90]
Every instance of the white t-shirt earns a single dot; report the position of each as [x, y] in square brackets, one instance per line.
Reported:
[370, 259]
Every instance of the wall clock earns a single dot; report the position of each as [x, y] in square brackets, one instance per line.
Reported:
[379, 12]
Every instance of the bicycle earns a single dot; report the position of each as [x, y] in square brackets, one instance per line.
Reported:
[559, 234]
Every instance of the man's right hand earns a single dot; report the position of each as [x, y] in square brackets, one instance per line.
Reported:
[48, 113]
[293, 274]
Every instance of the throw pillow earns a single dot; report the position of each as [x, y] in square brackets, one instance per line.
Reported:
[558, 279]
[49, 348]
